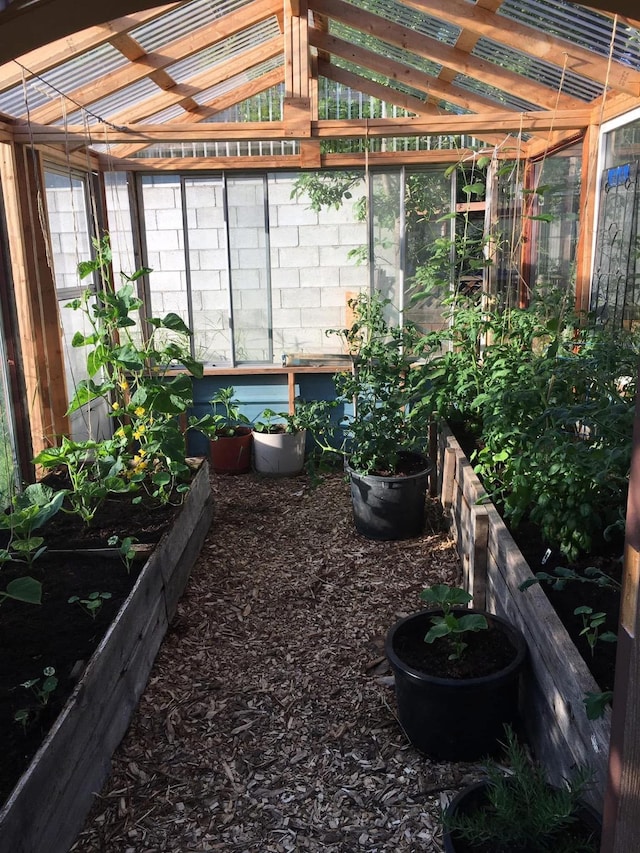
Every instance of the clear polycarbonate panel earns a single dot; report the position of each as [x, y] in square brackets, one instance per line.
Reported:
[365, 73]
[413, 19]
[265, 106]
[125, 99]
[224, 51]
[382, 48]
[498, 96]
[80, 71]
[537, 70]
[182, 21]
[580, 25]
[208, 96]
[236, 148]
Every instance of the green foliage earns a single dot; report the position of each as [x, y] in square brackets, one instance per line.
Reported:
[451, 626]
[126, 549]
[92, 603]
[592, 622]
[226, 418]
[41, 688]
[313, 416]
[27, 590]
[552, 402]
[522, 811]
[31, 509]
[381, 386]
[130, 372]
[595, 704]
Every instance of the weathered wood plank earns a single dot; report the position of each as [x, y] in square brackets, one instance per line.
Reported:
[557, 676]
[98, 712]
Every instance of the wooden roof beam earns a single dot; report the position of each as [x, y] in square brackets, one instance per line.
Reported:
[533, 42]
[186, 91]
[452, 58]
[434, 89]
[43, 59]
[297, 98]
[500, 123]
[149, 64]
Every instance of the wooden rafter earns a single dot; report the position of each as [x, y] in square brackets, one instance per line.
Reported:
[533, 42]
[453, 58]
[434, 89]
[150, 64]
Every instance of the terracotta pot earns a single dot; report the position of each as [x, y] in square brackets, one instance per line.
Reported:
[231, 454]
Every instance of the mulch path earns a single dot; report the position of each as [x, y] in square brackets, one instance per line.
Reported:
[269, 723]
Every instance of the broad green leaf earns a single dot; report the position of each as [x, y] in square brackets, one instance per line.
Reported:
[26, 589]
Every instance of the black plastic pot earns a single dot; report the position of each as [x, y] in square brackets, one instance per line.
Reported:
[389, 507]
[455, 719]
[474, 796]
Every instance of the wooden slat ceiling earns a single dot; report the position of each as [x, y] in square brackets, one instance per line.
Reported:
[158, 75]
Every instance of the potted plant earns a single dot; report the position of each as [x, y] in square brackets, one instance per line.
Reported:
[457, 675]
[520, 812]
[280, 438]
[229, 432]
[383, 437]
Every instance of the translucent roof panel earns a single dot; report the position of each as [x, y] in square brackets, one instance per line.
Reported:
[180, 22]
[406, 16]
[265, 106]
[577, 24]
[79, 71]
[206, 96]
[336, 101]
[224, 51]
[382, 48]
[538, 70]
[366, 74]
[502, 99]
[123, 100]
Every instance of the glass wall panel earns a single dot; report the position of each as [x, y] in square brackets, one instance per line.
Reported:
[249, 269]
[555, 220]
[70, 229]
[208, 268]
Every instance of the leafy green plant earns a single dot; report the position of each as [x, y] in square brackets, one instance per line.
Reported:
[131, 372]
[42, 688]
[226, 419]
[450, 625]
[31, 509]
[28, 590]
[592, 622]
[522, 811]
[313, 416]
[381, 387]
[126, 549]
[92, 603]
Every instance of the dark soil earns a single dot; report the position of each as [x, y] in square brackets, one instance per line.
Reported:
[488, 651]
[57, 633]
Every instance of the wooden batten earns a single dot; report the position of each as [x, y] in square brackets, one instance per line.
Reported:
[587, 217]
[34, 293]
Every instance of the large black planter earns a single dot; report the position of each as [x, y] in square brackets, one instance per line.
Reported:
[389, 507]
[588, 826]
[455, 719]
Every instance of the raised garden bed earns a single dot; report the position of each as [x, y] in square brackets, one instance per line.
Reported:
[47, 808]
[557, 678]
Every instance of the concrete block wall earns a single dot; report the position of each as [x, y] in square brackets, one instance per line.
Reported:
[305, 261]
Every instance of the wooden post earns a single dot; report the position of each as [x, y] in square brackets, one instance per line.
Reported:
[35, 295]
[621, 819]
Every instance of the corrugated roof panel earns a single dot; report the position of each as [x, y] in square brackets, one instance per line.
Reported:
[577, 24]
[265, 106]
[206, 96]
[384, 49]
[538, 70]
[398, 85]
[501, 98]
[122, 100]
[406, 16]
[336, 101]
[170, 114]
[79, 71]
[180, 22]
[224, 51]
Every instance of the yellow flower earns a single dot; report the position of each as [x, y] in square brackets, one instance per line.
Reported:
[115, 406]
[142, 452]
[139, 412]
[119, 433]
[124, 384]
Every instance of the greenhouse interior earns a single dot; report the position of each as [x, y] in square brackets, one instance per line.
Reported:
[227, 191]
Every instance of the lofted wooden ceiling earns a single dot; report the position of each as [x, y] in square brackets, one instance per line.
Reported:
[544, 71]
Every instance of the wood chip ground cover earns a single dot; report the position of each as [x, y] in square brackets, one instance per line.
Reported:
[269, 720]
